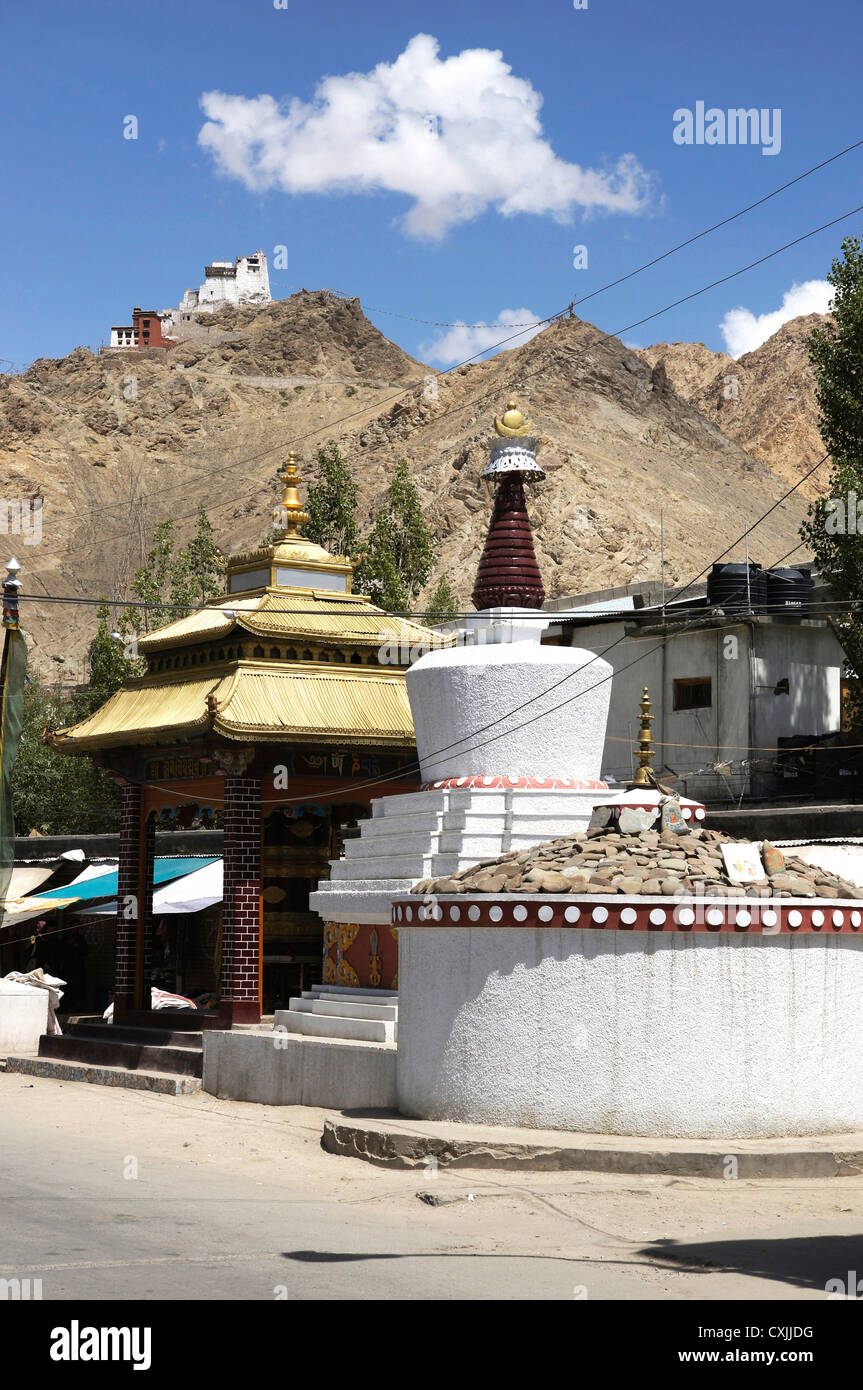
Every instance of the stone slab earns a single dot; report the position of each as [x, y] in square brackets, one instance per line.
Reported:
[104, 1076]
[359, 993]
[23, 1017]
[390, 1140]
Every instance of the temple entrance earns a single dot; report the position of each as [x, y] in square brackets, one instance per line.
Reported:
[299, 840]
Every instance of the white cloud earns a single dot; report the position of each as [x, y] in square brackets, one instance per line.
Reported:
[467, 339]
[456, 136]
[744, 331]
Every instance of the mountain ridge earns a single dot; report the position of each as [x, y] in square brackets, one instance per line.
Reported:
[115, 442]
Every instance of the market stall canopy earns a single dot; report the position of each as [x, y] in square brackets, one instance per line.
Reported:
[104, 885]
[192, 893]
[28, 878]
[27, 909]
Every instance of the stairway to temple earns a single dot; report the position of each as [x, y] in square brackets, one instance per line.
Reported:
[342, 1012]
[106, 1054]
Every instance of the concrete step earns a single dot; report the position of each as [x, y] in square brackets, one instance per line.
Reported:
[143, 1037]
[343, 1008]
[413, 867]
[351, 1029]
[356, 995]
[98, 1052]
[160, 1082]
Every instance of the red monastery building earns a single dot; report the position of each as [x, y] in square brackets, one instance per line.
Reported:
[271, 705]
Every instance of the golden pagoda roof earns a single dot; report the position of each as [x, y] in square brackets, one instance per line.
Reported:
[255, 701]
[292, 695]
[294, 613]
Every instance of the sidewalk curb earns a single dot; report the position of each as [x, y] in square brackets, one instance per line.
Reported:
[381, 1143]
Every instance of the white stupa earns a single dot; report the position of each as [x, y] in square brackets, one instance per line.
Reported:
[510, 733]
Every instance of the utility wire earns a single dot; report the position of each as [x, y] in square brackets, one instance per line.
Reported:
[621, 279]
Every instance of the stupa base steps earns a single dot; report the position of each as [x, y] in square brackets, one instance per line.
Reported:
[334, 1061]
[351, 1015]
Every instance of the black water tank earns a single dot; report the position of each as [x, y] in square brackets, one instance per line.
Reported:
[788, 591]
[727, 588]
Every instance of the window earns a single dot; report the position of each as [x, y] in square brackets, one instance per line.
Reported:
[695, 692]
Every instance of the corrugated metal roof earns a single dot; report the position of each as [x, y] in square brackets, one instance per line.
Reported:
[257, 701]
[349, 703]
[146, 711]
[198, 627]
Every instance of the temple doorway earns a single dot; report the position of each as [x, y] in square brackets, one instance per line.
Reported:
[299, 841]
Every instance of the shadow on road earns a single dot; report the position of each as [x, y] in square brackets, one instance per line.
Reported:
[807, 1262]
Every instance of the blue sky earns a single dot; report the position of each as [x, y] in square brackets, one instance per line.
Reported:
[555, 129]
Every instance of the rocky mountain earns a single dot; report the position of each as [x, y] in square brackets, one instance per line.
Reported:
[765, 400]
[115, 442]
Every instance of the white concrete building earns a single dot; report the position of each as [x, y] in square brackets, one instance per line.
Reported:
[731, 692]
[242, 281]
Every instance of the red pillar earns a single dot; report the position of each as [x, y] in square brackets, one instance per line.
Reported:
[241, 915]
[134, 904]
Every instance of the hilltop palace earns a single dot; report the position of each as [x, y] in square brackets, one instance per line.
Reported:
[244, 281]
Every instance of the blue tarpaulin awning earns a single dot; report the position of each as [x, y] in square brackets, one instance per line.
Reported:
[105, 885]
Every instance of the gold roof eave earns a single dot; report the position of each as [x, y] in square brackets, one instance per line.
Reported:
[256, 701]
[296, 615]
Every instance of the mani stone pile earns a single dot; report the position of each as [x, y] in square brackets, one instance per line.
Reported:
[648, 863]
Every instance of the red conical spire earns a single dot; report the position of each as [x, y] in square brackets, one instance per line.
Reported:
[508, 574]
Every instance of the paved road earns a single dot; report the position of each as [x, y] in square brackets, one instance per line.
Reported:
[71, 1218]
[123, 1195]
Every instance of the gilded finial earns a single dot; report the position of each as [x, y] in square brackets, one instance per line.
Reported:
[512, 424]
[644, 775]
[290, 514]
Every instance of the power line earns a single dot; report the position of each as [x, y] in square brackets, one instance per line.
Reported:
[716, 225]
[723, 279]
[621, 279]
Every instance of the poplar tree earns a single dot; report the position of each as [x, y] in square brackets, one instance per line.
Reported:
[185, 578]
[399, 552]
[108, 664]
[832, 529]
[442, 605]
[331, 503]
[199, 569]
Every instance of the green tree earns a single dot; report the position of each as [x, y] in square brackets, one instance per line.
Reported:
[332, 504]
[442, 605]
[198, 570]
[54, 793]
[153, 581]
[836, 352]
[399, 552]
[185, 578]
[111, 662]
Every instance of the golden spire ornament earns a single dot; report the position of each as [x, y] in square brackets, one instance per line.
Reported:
[290, 514]
[512, 425]
[644, 776]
